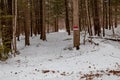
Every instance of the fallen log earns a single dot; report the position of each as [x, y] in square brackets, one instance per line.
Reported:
[112, 39]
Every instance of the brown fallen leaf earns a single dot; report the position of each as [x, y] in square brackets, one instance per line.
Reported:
[45, 71]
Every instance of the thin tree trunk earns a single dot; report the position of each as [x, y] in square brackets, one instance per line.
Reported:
[116, 13]
[89, 17]
[103, 18]
[67, 17]
[110, 14]
[14, 29]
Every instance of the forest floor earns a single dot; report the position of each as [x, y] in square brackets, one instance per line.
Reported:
[55, 59]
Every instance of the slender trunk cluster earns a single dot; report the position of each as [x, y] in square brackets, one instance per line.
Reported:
[6, 23]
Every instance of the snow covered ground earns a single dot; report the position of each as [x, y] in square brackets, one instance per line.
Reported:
[55, 59]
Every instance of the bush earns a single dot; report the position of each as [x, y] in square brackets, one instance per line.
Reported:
[3, 53]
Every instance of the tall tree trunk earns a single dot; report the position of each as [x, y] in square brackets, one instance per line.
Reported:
[106, 14]
[110, 14]
[14, 28]
[6, 22]
[56, 24]
[96, 20]
[67, 17]
[76, 24]
[89, 17]
[48, 26]
[116, 13]
[31, 18]
[43, 33]
[27, 22]
[18, 24]
[103, 18]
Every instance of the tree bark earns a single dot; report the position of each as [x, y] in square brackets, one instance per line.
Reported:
[67, 17]
[27, 22]
[76, 35]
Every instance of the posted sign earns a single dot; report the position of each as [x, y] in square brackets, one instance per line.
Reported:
[75, 28]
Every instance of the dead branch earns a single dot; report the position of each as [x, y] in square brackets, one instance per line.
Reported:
[112, 39]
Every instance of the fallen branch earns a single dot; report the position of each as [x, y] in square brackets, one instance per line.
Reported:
[91, 41]
[112, 39]
[96, 37]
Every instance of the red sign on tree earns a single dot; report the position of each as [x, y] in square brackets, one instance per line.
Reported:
[75, 28]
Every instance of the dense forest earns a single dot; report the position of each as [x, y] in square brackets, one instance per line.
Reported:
[59, 39]
[38, 17]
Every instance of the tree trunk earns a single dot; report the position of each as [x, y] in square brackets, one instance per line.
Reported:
[43, 33]
[96, 20]
[67, 17]
[116, 13]
[27, 22]
[14, 28]
[76, 24]
[6, 22]
[103, 18]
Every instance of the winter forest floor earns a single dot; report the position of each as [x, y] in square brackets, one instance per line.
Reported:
[55, 59]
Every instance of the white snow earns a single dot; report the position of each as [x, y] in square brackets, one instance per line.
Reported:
[62, 62]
